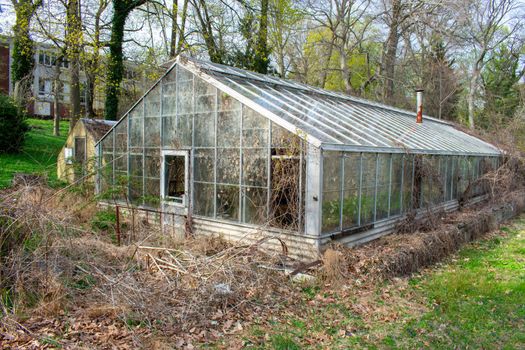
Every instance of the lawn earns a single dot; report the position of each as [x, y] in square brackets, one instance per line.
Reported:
[475, 300]
[39, 154]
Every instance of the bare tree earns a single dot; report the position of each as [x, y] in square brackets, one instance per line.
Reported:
[74, 42]
[486, 24]
[399, 15]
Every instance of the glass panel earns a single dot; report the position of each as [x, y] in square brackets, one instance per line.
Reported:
[383, 185]
[257, 138]
[152, 132]
[255, 167]
[135, 165]
[254, 204]
[152, 163]
[205, 103]
[368, 188]
[203, 88]
[253, 120]
[107, 143]
[228, 162]
[121, 136]
[395, 191]
[136, 126]
[204, 160]
[169, 129]
[106, 173]
[169, 99]
[352, 163]
[228, 129]
[448, 179]
[183, 131]
[203, 199]
[183, 74]
[283, 139]
[152, 103]
[171, 76]
[152, 192]
[120, 189]
[205, 130]
[135, 190]
[228, 202]
[331, 191]
[185, 97]
[408, 171]
[121, 162]
[331, 211]
[205, 96]
[255, 129]
[227, 103]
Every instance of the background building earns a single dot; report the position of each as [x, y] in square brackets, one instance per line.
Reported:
[46, 74]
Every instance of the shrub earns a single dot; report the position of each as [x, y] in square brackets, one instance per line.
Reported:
[13, 126]
[104, 220]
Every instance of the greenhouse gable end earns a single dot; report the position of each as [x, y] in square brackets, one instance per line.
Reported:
[247, 156]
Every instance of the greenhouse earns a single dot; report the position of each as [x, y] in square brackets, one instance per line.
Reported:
[245, 156]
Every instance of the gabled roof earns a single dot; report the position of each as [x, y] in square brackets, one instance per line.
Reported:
[335, 121]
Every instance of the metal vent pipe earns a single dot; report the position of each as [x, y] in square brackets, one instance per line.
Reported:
[419, 106]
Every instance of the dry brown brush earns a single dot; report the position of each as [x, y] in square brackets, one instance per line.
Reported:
[55, 268]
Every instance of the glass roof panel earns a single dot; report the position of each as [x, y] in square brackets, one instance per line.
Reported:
[340, 120]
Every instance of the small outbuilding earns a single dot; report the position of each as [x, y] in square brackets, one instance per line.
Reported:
[229, 152]
[77, 157]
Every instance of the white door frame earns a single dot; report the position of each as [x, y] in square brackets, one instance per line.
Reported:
[186, 155]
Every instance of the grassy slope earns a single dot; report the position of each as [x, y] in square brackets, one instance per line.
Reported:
[476, 300]
[39, 154]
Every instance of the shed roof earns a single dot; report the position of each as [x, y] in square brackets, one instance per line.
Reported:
[97, 127]
[333, 120]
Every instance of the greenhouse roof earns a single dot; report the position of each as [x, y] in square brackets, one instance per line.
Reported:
[335, 121]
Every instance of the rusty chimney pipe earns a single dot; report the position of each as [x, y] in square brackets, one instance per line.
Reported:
[419, 105]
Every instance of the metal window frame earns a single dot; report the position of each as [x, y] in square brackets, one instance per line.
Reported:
[170, 200]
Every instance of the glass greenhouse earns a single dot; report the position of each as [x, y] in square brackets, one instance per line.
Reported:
[245, 154]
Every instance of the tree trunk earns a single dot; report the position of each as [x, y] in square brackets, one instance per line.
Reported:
[174, 28]
[92, 68]
[261, 54]
[57, 86]
[73, 42]
[90, 94]
[216, 55]
[345, 70]
[115, 62]
[22, 64]
[182, 29]
[470, 97]
[389, 59]
[324, 72]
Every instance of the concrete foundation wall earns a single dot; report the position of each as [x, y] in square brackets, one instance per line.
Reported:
[300, 247]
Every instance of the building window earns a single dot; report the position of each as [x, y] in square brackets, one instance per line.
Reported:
[83, 93]
[44, 87]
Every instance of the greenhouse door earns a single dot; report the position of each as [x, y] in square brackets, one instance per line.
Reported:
[174, 191]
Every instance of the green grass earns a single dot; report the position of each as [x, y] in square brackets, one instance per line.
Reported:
[475, 301]
[39, 154]
[478, 301]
